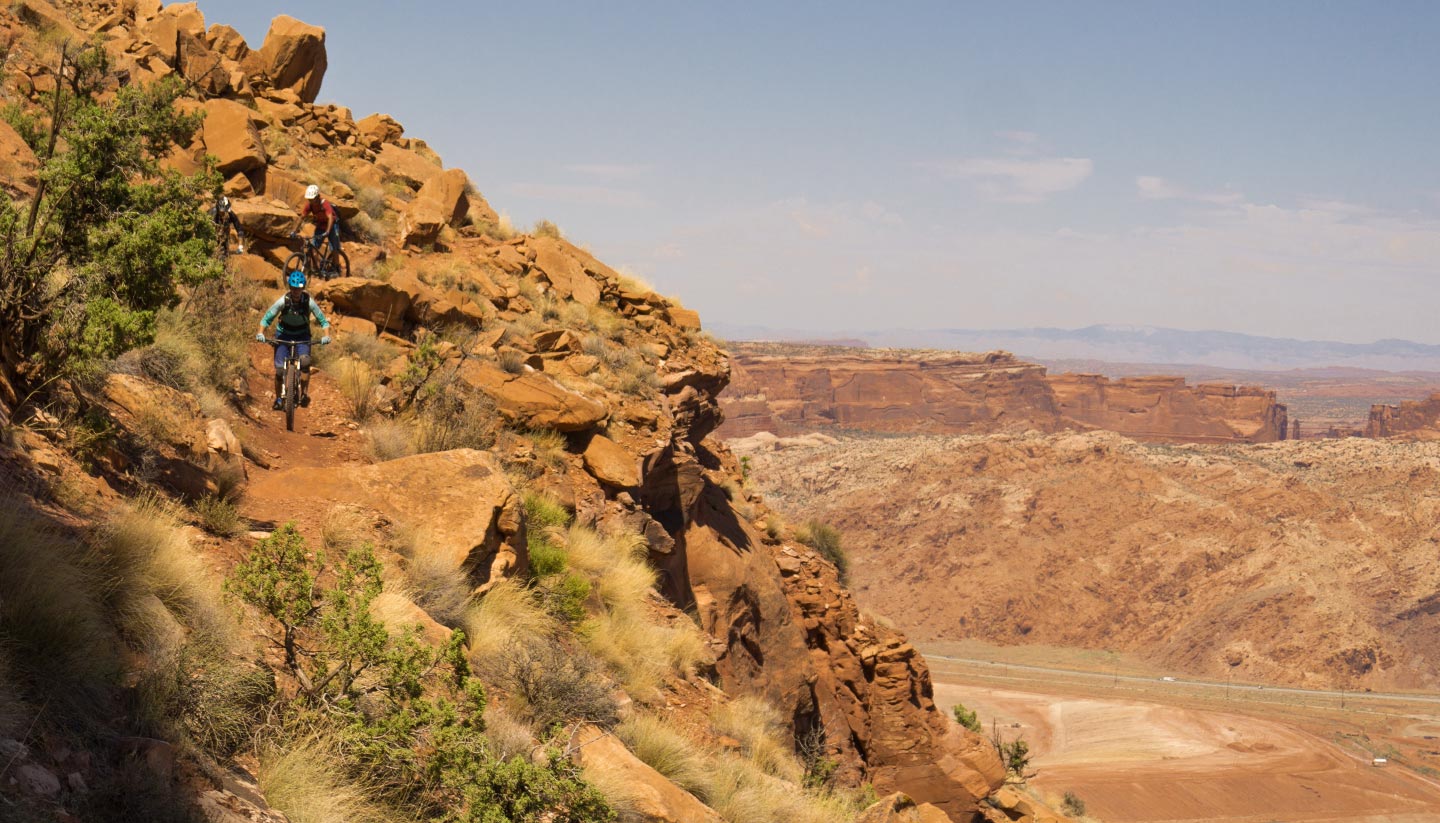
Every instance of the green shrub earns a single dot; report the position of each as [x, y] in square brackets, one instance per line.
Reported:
[410, 717]
[966, 718]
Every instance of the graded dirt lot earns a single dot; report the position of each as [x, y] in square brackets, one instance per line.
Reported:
[1135, 760]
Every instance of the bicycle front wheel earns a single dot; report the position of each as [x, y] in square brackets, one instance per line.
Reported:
[292, 393]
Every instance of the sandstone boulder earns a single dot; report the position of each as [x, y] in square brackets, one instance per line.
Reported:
[611, 464]
[264, 218]
[380, 302]
[898, 808]
[161, 426]
[554, 259]
[18, 164]
[406, 166]
[255, 269]
[141, 11]
[684, 318]
[293, 57]
[654, 799]
[201, 66]
[481, 532]
[422, 222]
[227, 42]
[533, 399]
[231, 133]
[450, 189]
[381, 128]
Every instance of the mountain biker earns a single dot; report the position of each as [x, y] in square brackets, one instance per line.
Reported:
[322, 213]
[225, 219]
[294, 308]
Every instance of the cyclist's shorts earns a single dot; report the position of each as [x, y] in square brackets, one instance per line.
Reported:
[282, 351]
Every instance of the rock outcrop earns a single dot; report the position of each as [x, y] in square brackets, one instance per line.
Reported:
[792, 389]
[1415, 417]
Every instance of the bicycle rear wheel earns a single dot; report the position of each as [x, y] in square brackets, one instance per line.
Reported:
[295, 262]
[339, 265]
[292, 393]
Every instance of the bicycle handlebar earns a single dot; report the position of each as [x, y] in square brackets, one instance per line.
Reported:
[274, 342]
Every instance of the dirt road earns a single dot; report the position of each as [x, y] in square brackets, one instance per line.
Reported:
[1136, 761]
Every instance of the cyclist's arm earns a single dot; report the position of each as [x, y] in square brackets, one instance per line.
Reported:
[319, 315]
[270, 315]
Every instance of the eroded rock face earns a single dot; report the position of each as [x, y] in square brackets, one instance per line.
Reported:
[789, 390]
[898, 808]
[1408, 417]
[230, 134]
[533, 399]
[293, 57]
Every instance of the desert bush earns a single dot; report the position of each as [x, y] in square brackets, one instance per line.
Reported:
[545, 228]
[449, 420]
[371, 200]
[410, 718]
[966, 717]
[368, 228]
[512, 361]
[826, 540]
[368, 349]
[218, 515]
[1073, 805]
[553, 685]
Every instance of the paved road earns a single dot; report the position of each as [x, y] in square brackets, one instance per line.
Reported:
[1157, 682]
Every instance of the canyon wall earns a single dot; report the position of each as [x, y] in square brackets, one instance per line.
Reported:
[787, 390]
[1408, 416]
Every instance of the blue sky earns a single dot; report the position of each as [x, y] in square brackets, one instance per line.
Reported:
[1256, 167]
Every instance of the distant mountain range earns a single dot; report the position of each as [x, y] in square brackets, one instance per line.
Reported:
[1130, 344]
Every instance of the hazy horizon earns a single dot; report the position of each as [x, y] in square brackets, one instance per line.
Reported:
[1260, 169]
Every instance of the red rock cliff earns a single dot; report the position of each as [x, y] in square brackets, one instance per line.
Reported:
[1409, 416]
[795, 389]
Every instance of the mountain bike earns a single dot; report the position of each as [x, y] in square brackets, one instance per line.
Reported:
[317, 259]
[290, 384]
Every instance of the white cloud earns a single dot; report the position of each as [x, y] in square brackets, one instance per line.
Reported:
[1017, 180]
[1158, 188]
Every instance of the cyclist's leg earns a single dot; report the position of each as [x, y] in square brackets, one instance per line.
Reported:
[302, 350]
[334, 235]
[282, 351]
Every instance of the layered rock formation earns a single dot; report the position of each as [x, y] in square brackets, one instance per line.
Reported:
[1409, 417]
[1167, 409]
[789, 390]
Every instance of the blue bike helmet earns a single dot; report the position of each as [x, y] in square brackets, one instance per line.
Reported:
[296, 280]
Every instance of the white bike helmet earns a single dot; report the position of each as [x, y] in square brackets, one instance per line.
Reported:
[312, 192]
[224, 203]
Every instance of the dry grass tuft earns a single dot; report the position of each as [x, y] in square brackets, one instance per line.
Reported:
[390, 440]
[304, 778]
[681, 760]
[437, 586]
[763, 740]
[507, 614]
[344, 528]
[357, 382]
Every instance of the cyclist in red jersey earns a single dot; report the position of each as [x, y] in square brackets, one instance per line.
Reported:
[322, 213]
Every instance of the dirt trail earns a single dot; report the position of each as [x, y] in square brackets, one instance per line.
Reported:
[324, 437]
[1132, 761]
